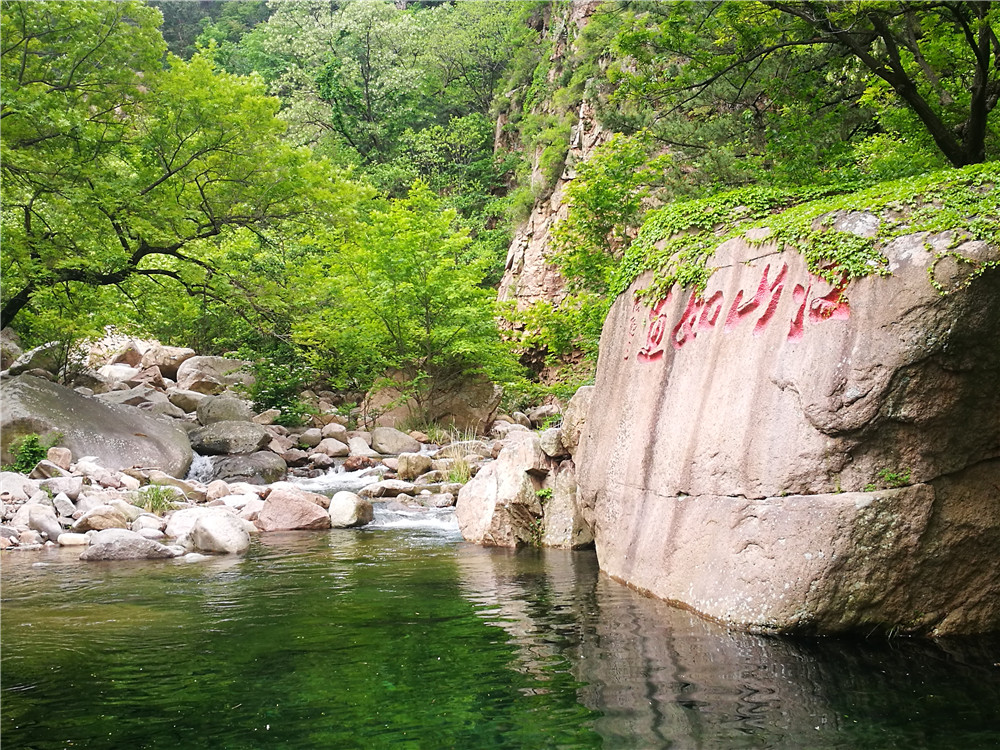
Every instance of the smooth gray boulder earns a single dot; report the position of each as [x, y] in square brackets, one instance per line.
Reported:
[46, 357]
[225, 438]
[212, 409]
[121, 544]
[120, 437]
[390, 441]
[262, 467]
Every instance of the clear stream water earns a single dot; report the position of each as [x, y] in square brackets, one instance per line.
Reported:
[404, 636]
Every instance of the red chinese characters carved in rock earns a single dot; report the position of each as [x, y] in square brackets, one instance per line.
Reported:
[703, 314]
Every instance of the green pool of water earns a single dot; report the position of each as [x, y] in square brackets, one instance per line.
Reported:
[410, 638]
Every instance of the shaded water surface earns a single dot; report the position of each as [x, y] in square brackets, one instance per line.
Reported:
[404, 636]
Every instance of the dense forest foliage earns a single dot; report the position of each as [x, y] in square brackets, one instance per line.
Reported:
[329, 188]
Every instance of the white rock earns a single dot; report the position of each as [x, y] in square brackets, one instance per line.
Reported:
[348, 510]
[69, 539]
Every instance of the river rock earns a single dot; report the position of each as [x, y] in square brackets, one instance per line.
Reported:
[29, 538]
[266, 417]
[335, 430]
[278, 489]
[390, 441]
[167, 358]
[45, 469]
[550, 441]
[348, 510]
[286, 510]
[60, 456]
[185, 400]
[139, 395]
[724, 425]
[43, 520]
[258, 468]
[115, 374]
[310, 438]
[500, 505]
[70, 539]
[212, 409]
[226, 534]
[332, 447]
[100, 518]
[563, 522]
[47, 357]
[179, 523]
[541, 414]
[357, 463]
[148, 521]
[16, 487]
[150, 376]
[575, 418]
[212, 375]
[10, 348]
[121, 544]
[409, 466]
[229, 438]
[119, 436]
[359, 448]
[387, 488]
[461, 448]
[63, 504]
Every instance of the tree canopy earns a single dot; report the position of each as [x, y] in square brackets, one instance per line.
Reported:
[117, 167]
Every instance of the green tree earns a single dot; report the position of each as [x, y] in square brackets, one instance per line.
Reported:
[400, 295]
[116, 168]
[790, 83]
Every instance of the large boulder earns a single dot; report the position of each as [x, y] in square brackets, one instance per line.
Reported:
[10, 348]
[48, 357]
[563, 522]
[222, 438]
[167, 358]
[411, 465]
[120, 437]
[180, 523]
[101, 517]
[287, 509]
[348, 510]
[219, 532]
[501, 506]
[724, 424]
[575, 417]
[211, 374]
[212, 409]
[390, 441]
[262, 467]
[121, 544]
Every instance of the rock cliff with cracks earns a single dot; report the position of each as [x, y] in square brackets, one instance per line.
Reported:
[785, 454]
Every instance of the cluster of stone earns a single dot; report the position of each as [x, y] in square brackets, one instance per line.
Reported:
[148, 514]
[528, 495]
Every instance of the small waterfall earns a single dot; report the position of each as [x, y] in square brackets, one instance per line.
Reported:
[336, 479]
[202, 468]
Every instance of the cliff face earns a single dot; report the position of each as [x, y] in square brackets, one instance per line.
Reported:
[781, 453]
[527, 276]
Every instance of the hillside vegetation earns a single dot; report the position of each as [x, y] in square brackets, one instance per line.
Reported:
[329, 188]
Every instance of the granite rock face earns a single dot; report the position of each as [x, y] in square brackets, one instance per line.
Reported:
[119, 436]
[741, 446]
